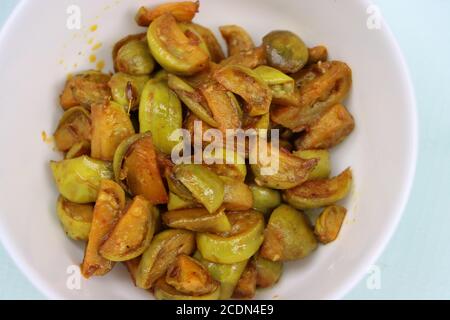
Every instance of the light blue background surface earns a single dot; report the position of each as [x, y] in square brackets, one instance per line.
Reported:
[416, 263]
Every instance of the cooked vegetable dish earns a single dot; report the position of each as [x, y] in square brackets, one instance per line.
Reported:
[212, 230]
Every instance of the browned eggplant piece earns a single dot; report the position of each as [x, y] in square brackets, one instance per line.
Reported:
[108, 207]
[320, 193]
[320, 87]
[330, 130]
[190, 277]
[237, 39]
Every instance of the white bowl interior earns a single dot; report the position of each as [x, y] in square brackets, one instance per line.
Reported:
[37, 52]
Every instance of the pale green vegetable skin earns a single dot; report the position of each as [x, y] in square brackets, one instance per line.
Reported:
[78, 180]
[323, 167]
[205, 185]
[119, 83]
[235, 248]
[265, 199]
[160, 113]
[177, 203]
[272, 76]
[227, 274]
[134, 58]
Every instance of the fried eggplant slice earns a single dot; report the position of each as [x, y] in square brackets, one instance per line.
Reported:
[198, 220]
[206, 186]
[292, 171]
[162, 252]
[320, 193]
[85, 89]
[76, 219]
[320, 87]
[173, 49]
[74, 127]
[190, 277]
[164, 291]
[183, 11]
[108, 207]
[329, 223]
[237, 245]
[136, 168]
[227, 274]
[331, 129]
[288, 235]
[160, 113]
[237, 39]
[110, 126]
[132, 233]
[323, 167]
[78, 180]
[248, 85]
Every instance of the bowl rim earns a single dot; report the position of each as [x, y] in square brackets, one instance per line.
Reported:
[362, 265]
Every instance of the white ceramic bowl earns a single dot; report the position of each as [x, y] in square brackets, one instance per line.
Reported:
[37, 51]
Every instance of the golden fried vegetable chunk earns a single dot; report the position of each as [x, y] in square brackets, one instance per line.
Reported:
[110, 126]
[214, 48]
[239, 244]
[161, 253]
[190, 277]
[192, 98]
[285, 51]
[227, 274]
[282, 86]
[267, 272]
[126, 89]
[223, 106]
[74, 127]
[182, 11]
[320, 86]
[134, 58]
[122, 42]
[323, 167]
[246, 83]
[206, 186]
[329, 223]
[198, 220]
[75, 218]
[85, 89]
[250, 59]
[226, 162]
[319, 193]
[110, 203]
[237, 195]
[164, 291]
[237, 39]
[246, 286]
[132, 233]
[288, 235]
[173, 49]
[328, 131]
[136, 168]
[318, 53]
[78, 180]
[288, 171]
